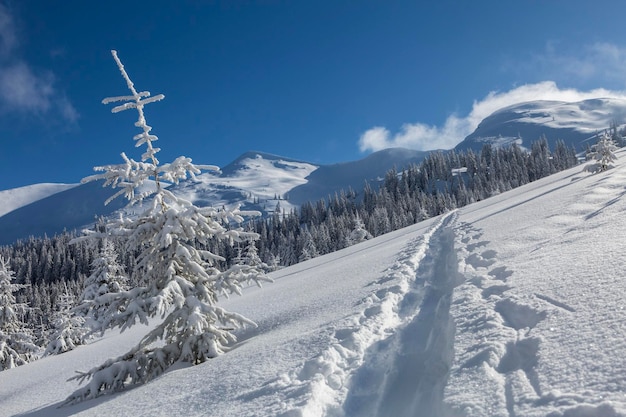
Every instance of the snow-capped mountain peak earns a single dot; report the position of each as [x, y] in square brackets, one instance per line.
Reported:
[252, 179]
[257, 180]
[573, 122]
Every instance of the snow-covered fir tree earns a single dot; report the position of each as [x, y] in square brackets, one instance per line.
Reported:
[68, 327]
[16, 344]
[107, 277]
[251, 258]
[603, 153]
[359, 233]
[274, 262]
[309, 250]
[175, 280]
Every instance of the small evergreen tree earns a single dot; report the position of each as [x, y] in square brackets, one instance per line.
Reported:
[251, 258]
[68, 327]
[358, 233]
[603, 153]
[175, 280]
[308, 251]
[107, 277]
[16, 345]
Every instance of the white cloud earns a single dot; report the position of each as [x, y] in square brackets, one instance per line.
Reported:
[8, 39]
[422, 136]
[586, 64]
[23, 89]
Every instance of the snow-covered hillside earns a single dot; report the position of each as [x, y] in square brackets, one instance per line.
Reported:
[18, 197]
[64, 210]
[513, 306]
[257, 180]
[575, 123]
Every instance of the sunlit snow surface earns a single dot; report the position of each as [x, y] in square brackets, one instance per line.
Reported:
[513, 306]
[576, 123]
[256, 179]
[18, 197]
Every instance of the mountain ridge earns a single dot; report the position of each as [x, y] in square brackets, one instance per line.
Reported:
[258, 180]
[261, 180]
[576, 123]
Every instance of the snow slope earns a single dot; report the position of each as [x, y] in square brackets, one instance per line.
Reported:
[512, 306]
[576, 123]
[72, 208]
[18, 197]
[253, 177]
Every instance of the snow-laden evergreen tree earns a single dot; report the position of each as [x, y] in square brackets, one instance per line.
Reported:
[247, 265]
[358, 233]
[274, 262]
[176, 281]
[251, 257]
[107, 277]
[68, 327]
[308, 251]
[16, 345]
[603, 153]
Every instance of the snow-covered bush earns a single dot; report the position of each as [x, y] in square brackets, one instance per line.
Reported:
[16, 345]
[176, 281]
[603, 153]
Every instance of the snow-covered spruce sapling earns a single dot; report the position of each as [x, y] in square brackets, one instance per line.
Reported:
[603, 153]
[107, 277]
[68, 327]
[16, 344]
[176, 280]
[359, 233]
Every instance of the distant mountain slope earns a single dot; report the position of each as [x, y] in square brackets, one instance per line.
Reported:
[66, 210]
[18, 197]
[258, 180]
[324, 181]
[575, 123]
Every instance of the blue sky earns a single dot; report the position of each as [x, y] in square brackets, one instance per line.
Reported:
[322, 81]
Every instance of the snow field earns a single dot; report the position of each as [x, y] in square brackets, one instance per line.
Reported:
[513, 306]
[350, 370]
[495, 351]
[541, 321]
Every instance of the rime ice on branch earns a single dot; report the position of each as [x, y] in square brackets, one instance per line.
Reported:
[176, 281]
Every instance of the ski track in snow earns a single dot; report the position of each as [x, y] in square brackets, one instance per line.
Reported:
[497, 353]
[495, 371]
[394, 350]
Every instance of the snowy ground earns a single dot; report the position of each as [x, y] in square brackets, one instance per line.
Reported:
[513, 306]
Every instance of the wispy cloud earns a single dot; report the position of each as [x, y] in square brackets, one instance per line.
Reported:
[8, 39]
[23, 88]
[582, 64]
[590, 64]
[422, 136]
